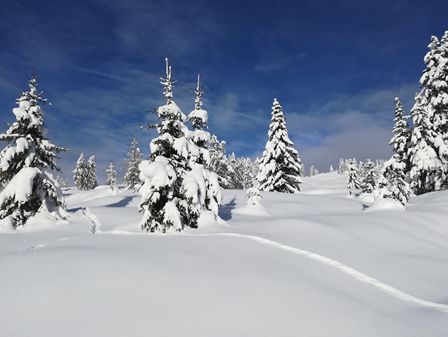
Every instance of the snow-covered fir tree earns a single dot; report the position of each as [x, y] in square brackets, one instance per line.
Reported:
[27, 162]
[81, 174]
[280, 167]
[219, 162]
[353, 179]
[132, 174]
[253, 196]
[312, 170]
[331, 168]
[242, 172]
[111, 177]
[428, 148]
[393, 178]
[369, 177]
[61, 181]
[92, 180]
[174, 190]
[200, 137]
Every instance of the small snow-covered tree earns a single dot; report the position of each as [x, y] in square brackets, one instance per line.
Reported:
[253, 196]
[111, 177]
[280, 167]
[92, 180]
[428, 148]
[369, 177]
[353, 180]
[26, 162]
[242, 172]
[219, 162]
[80, 174]
[331, 168]
[132, 175]
[61, 181]
[312, 170]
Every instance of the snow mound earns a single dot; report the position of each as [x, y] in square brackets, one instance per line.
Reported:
[252, 210]
[382, 204]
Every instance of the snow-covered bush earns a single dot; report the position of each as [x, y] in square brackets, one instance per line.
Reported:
[253, 196]
[27, 162]
[280, 168]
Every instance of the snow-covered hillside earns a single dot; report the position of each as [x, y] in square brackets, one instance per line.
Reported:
[310, 264]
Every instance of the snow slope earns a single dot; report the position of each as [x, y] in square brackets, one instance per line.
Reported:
[314, 264]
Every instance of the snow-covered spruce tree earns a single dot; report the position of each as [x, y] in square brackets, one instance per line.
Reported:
[369, 177]
[253, 196]
[111, 177]
[242, 172]
[393, 178]
[280, 166]
[80, 174]
[331, 168]
[26, 163]
[219, 162]
[352, 180]
[92, 180]
[61, 181]
[173, 194]
[428, 149]
[201, 162]
[132, 174]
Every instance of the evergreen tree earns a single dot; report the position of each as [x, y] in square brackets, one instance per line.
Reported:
[219, 162]
[280, 166]
[331, 168]
[428, 150]
[174, 189]
[80, 174]
[201, 138]
[111, 177]
[92, 180]
[26, 163]
[253, 196]
[369, 180]
[353, 180]
[132, 175]
[393, 178]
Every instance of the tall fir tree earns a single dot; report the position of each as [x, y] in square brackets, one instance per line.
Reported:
[80, 174]
[173, 193]
[201, 138]
[428, 149]
[132, 174]
[92, 180]
[280, 167]
[393, 178]
[27, 162]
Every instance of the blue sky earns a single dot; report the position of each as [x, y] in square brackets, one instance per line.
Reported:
[335, 66]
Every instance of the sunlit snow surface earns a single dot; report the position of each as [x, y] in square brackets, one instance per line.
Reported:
[310, 264]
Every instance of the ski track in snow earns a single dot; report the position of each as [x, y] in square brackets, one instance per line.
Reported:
[95, 228]
[38, 246]
[356, 274]
[342, 267]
